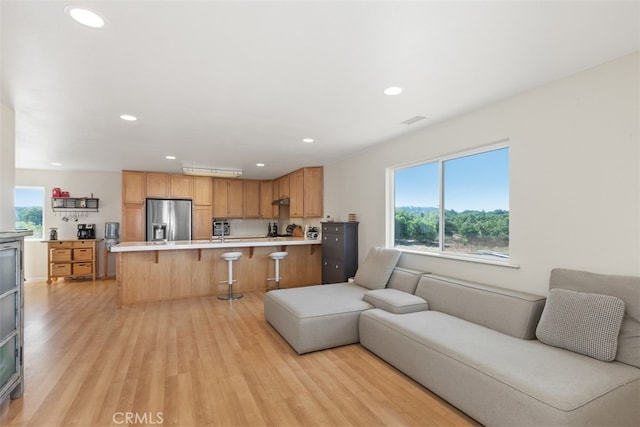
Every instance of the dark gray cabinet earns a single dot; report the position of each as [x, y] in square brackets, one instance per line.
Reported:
[11, 314]
[339, 251]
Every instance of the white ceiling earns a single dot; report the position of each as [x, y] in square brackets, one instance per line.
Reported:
[231, 84]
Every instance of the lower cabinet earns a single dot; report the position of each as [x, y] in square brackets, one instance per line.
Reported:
[72, 258]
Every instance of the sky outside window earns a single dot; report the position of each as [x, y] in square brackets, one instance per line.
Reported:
[475, 182]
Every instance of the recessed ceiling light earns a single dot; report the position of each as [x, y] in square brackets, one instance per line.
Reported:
[259, 165]
[393, 90]
[170, 157]
[308, 140]
[56, 164]
[85, 17]
[128, 117]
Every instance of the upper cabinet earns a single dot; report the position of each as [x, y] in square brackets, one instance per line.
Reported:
[313, 192]
[283, 187]
[220, 199]
[181, 187]
[134, 187]
[252, 199]
[296, 194]
[158, 184]
[228, 198]
[267, 196]
[306, 193]
[202, 191]
[169, 185]
[236, 199]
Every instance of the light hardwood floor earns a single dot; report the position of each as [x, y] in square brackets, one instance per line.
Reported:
[196, 362]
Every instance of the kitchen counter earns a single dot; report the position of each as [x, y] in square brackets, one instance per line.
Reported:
[229, 242]
[158, 271]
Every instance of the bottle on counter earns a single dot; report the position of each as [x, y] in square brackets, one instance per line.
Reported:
[269, 230]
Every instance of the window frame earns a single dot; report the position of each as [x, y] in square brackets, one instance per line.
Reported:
[440, 160]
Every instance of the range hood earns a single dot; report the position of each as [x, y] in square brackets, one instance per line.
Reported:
[281, 202]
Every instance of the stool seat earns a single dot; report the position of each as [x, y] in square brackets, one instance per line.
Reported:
[230, 257]
[278, 255]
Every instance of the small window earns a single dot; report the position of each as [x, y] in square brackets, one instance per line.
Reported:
[457, 204]
[29, 203]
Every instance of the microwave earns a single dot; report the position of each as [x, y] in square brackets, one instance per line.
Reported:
[221, 226]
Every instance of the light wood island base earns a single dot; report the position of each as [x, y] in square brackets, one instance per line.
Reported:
[157, 275]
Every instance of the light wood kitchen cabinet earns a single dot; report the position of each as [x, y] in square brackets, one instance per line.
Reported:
[306, 193]
[313, 192]
[220, 198]
[283, 187]
[133, 222]
[296, 194]
[251, 199]
[134, 187]
[228, 198]
[202, 228]
[236, 199]
[158, 185]
[267, 196]
[181, 186]
[202, 191]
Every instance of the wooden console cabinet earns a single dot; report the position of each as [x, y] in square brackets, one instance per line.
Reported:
[71, 258]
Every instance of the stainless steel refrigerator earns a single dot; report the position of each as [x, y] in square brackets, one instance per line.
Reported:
[168, 219]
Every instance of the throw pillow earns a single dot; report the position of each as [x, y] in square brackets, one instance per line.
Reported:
[582, 322]
[377, 267]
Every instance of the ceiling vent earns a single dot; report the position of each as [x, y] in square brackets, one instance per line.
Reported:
[412, 120]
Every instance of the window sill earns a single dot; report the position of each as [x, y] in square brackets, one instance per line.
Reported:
[478, 259]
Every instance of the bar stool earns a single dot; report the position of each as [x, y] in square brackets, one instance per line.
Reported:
[277, 256]
[230, 257]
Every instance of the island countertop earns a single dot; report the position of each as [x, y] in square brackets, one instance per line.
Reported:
[229, 242]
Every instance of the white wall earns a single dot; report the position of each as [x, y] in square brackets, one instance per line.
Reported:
[106, 186]
[574, 180]
[7, 162]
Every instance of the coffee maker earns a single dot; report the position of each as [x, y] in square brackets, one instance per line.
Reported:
[86, 231]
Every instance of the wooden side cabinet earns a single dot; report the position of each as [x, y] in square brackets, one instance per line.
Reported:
[339, 251]
[71, 258]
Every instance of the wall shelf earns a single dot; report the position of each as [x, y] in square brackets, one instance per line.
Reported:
[79, 204]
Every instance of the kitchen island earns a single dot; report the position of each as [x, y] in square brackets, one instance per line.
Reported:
[157, 271]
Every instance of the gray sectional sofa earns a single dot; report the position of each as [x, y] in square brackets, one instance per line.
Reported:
[503, 357]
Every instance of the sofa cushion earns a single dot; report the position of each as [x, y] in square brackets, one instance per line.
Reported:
[627, 288]
[395, 301]
[581, 322]
[508, 311]
[377, 267]
[404, 279]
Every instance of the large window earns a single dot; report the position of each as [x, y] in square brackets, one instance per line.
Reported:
[29, 208]
[457, 204]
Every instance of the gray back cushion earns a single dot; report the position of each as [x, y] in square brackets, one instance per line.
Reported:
[404, 279]
[627, 288]
[582, 322]
[376, 269]
[511, 312]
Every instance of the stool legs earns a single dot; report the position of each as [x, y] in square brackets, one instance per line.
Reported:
[277, 256]
[230, 295]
